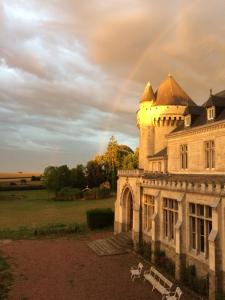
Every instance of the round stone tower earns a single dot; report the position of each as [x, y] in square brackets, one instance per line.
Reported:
[144, 123]
[158, 115]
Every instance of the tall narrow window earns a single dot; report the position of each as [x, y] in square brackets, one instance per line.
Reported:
[211, 113]
[200, 227]
[210, 154]
[170, 217]
[149, 209]
[184, 156]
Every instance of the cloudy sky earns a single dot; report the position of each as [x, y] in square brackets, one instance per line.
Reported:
[72, 71]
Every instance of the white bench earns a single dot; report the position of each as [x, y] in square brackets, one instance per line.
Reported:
[158, 281]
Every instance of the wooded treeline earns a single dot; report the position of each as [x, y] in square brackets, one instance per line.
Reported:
[103, 168]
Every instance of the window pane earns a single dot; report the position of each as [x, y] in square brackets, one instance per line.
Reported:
[202, 236]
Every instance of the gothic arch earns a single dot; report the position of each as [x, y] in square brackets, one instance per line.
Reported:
[127, 204]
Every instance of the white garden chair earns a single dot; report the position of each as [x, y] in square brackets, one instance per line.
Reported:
[175, 295]
[136, 272]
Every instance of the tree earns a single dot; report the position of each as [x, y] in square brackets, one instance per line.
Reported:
[77, 177]
[56, 178]
[50, 178]
[113, 159]
[131, 160]
[95, 174]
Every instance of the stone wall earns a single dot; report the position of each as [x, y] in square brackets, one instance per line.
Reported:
[195, 138]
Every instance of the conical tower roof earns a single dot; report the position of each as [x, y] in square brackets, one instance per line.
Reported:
[148, 94]
[171, 93]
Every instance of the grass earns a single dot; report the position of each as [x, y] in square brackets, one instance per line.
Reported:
[6, 278]
[35, 209]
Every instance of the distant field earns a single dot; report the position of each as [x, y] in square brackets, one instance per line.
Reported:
[36, 208]
[18, 175]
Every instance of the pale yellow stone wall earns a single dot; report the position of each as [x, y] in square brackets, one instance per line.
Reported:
[222, 230]
[182, 242]
[195, 139]
[146, 145]
[157, 165]
[155, 123]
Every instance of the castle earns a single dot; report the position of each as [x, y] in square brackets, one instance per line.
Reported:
[175, 201]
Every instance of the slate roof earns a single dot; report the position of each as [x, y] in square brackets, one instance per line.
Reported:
[171, 93]
[200, 178]
[199, 113]
[161, 153]
[216, 100]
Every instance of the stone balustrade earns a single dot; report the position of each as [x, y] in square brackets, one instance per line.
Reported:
[131, 173]
[201, 187]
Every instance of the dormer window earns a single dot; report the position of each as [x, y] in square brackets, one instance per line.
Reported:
[211, 113]
[187, 120]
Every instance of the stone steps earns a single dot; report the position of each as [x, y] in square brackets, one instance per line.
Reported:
[117, 244]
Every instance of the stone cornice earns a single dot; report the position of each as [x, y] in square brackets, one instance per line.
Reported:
[198, 129]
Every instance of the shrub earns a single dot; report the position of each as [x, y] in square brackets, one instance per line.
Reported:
[68, 194]
[100, 218]
[36, 178]
[144, 249]
[57, 229]
[23, 181]
[164, 262]
[89, 194]
[6, 278]
[15, 187]
[199, 285]
[104, 192]
[220, 295]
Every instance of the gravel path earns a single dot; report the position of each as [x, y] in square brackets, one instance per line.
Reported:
[67, 269]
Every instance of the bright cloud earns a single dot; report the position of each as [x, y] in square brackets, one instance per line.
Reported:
[71, 72]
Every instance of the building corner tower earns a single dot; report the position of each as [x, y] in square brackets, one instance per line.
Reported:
[144, 123]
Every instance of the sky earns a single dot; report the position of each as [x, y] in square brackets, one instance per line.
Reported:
[72, 72]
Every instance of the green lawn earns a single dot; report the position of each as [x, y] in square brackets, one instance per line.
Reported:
[36, 208]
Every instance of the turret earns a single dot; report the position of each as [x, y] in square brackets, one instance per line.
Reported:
[158, 115]
[144, 123]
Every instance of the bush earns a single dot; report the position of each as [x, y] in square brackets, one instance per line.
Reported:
[103, 193]
[220, 295]
[15, 187]
[199, 285]
[57, 229]
[100, 218]
[68, 194]
[144, 249]
[36, 178]
[89, 194]
[6, 278]
[164, 262]
[23, 181]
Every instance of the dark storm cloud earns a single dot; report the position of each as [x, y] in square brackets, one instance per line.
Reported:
[71, 72]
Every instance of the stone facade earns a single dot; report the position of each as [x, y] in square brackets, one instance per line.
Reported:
[175, 202]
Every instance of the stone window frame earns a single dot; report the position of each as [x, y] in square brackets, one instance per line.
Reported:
[170, 218]
[209, 153]
[148, 211]
[200, 217]
[184, 156]
[211, 113]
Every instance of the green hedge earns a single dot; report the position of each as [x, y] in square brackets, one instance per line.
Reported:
[68, 194]
[22, 188]
[96, 193]
[57, 229]
[100, 218]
